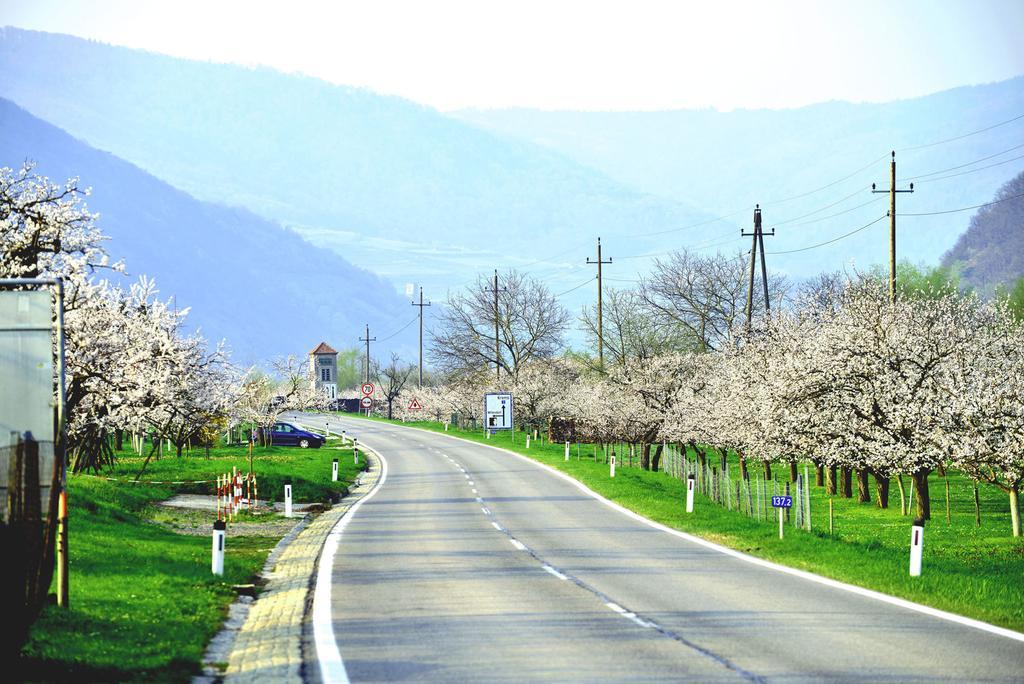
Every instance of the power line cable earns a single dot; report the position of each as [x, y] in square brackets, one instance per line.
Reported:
[964, 173]
[573, 289]
[837, 239]
[960, 166]
[954, 211]
[385, 339]
[961, 137]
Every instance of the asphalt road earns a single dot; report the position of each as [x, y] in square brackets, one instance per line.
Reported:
[472, 565]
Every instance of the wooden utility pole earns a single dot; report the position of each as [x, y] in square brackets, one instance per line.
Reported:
[497, 343]
[757, 244]
[892, 223]
[368, 340]
[600, 321]
[421, 305]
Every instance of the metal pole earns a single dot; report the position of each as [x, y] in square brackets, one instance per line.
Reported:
[421, 305]
[600, 317]
[892, 228]
[63, 590]
[497, 348]
[753, 261]
[892, 224]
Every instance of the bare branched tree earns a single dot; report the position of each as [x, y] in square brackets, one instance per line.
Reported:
[391, 379]
[531, 324]
[706, 296]
[632, 330]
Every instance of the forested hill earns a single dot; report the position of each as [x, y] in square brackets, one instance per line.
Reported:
[991, 252]
[260, 286]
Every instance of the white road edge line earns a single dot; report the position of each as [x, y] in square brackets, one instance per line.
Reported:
[802, 574]
[332, 667]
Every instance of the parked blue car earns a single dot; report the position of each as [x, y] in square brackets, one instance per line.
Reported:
[286, 434]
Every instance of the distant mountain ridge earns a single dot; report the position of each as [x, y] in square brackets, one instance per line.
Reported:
[420, 196]
[399, 188]
[991, 252]
[264, 289]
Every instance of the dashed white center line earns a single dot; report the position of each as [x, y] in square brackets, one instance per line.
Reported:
[518, 544]
[475, 492]
[470, 481]
[498, 527]
[554, 572]
[479, 500]
[485, 510]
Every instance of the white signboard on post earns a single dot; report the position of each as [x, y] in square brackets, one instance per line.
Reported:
[498, 411]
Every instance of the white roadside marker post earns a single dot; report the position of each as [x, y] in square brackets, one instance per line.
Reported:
[287, 501]
[327, 429]
[613, 465]
[916, 547]
[217, 566]
[355, 453]
[342, 438]
[690, 482]
[566, 451]
[527, 440]
[446, 426]
[334, 470]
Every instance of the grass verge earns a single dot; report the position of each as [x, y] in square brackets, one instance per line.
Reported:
[968, 570]
[144, 604]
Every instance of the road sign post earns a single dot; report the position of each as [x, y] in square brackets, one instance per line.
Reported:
[916, 547]
[217, 562]
[498, 411]
[782, 503]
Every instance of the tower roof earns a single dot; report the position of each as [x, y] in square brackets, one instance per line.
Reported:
[323, 348]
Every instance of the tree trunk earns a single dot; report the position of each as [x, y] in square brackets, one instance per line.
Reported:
[177, 448]
[977, 506]
[767, 470]
[725, 460]
[863, 489]
[1015, 509]
[793, 474]
[656, 459]
[645, 457]
[830, 481]
[819, 474]
[921, 496]
[118, 439]
[743, 468]
[846, 482]
[881, 489]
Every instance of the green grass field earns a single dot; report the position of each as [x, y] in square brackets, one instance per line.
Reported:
[144, 604]
[972, 571]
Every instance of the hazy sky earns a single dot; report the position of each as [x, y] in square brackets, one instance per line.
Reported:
[578, 54]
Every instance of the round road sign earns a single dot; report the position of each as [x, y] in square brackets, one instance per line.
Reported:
[366, 402]
[367, 388]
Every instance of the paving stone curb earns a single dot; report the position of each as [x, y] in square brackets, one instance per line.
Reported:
[269, 645]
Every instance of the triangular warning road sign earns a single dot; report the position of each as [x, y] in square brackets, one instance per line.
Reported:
[415, 404]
